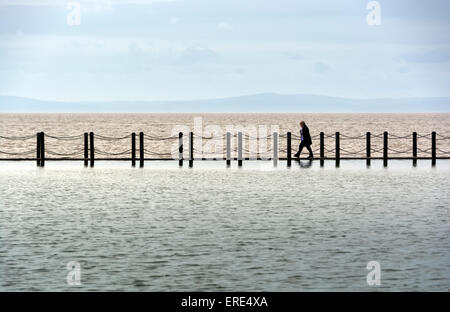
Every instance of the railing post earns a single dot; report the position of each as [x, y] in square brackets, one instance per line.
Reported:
[228, 149]
[86, 149]
[38, 149]
[191, 149]
[322, 149]
[338, 149]
[133, 149]
[240, 149]
[42, 149]
[433, 148]
[289, 150]
[414, 148]
[385, 149]
[275, 148]
[141, 150]
[92, 148]
[180, 149]
[368, 149]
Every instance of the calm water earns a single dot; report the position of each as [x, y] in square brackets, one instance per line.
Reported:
[211, 228]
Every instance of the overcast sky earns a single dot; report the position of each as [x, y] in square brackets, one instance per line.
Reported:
[192, 49]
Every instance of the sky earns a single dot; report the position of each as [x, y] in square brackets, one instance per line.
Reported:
[198, 49]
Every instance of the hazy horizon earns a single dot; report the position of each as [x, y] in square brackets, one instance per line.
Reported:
[264, 102]
[226, 97]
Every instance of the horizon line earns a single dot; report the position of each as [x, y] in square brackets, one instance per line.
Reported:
[228, 97]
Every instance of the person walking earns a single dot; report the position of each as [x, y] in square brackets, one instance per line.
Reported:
[306, 141]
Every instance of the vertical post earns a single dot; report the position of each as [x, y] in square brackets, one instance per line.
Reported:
[92, 148]
[288, 143]
[38, 149]
[275, 148]
[385, 149]
[414, 148]
[338, 149]
[433, 148]
[228, 149]
[322, 149]
[368, 149]
[86, 149]
[133, 149]
[42, 149]
[141, 150]
[240, 149]
[191, 149]
[180, 149]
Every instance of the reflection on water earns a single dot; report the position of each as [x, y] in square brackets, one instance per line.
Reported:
[211, 228]
[305, 163]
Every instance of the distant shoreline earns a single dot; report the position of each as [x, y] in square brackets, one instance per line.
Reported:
[258, 103]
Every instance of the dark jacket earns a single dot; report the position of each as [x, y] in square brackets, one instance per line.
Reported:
[306, 136]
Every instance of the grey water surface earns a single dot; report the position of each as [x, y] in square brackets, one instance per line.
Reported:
[212, 228]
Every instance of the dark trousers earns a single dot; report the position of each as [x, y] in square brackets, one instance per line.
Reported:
[300, 148]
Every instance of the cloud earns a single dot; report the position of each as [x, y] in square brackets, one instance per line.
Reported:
[174, 20]
[229, 45]
[294, 56]
[194, 55]
[402, 70]
[321, 68]
[88, 3]
[224, 26]
[31, 2]
[441, 55]
[85, 5]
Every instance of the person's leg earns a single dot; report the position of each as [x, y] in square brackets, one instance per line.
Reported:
[310, 151]
[300, 148]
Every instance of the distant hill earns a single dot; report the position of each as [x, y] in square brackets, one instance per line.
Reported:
[261, 103]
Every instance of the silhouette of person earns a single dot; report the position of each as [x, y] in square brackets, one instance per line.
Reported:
[306, 141]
